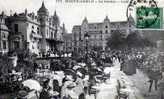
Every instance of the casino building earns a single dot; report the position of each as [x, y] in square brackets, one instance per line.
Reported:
[39, 33]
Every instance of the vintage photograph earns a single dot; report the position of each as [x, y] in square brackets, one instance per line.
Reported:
[81, 49]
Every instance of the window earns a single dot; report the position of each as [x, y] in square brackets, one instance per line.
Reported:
[32, 31]
[4, 45]
[37, 30]
[47, 32]
[38, 46]
[16, 27]
[32, 46]
[54, 35]
[32, 27]
[106, 31]
[4, 36]
[101, 36]
[22, 37]
[106, 26]
[51, 34]
[16, 44]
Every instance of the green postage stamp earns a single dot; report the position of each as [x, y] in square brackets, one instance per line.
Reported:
[148, 17]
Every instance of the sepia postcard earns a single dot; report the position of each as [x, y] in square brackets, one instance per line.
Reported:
[81, 49]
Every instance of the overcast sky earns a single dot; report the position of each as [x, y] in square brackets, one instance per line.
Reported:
[71, 13]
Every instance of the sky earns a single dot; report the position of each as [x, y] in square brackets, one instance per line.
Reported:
[71, 13]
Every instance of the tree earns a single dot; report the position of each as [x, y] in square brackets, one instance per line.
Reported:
[149, 43]
[135, 40]
[116, 40]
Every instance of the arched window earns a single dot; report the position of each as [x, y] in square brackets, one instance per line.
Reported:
[106, 26]
[52, 34]
[106, 31]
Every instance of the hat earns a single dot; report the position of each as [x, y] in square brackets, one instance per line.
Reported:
[81, 70]
[70, 72]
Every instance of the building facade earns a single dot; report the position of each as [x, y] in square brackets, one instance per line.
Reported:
[98, 33]
[68, 42]
[4, 33]
[39, 33]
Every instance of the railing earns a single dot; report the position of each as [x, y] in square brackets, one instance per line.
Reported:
[51, 38]
[36, 35]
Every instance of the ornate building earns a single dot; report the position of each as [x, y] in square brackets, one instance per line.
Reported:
[98, 32]
[68, 42]
[4, 33]
[39, 33]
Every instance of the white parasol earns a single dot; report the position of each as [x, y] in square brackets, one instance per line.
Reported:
[32, 84]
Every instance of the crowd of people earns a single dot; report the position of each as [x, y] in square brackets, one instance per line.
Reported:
[149, 61]
[78, 77]
[73, 78]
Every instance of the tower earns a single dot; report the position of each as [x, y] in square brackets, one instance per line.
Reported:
[43, 16]
[106, 26]
[56, 24]
[106, 32]
[56, 20]
[84, 28]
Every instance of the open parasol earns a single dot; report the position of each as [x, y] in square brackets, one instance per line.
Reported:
[32, 84]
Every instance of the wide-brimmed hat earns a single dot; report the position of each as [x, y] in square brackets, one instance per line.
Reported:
[70, 72]
[81, 70]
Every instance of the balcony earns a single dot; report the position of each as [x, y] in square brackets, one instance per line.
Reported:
[34, 35]
[51, 38]
[16, 36]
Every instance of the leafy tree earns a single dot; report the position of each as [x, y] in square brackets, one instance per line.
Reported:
[116, 40]
[148, 43]
[134, 40]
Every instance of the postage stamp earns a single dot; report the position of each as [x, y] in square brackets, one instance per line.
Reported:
[148, 17]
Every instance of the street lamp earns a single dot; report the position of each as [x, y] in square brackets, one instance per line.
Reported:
[0, 33]
[90, 90]
[86, 37]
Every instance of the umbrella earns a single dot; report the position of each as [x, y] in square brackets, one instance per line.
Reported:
[95, 71]
[82, 64]
[76, 67]
[32, 84]
[70, 72]
[22, 93]
[81, 70]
